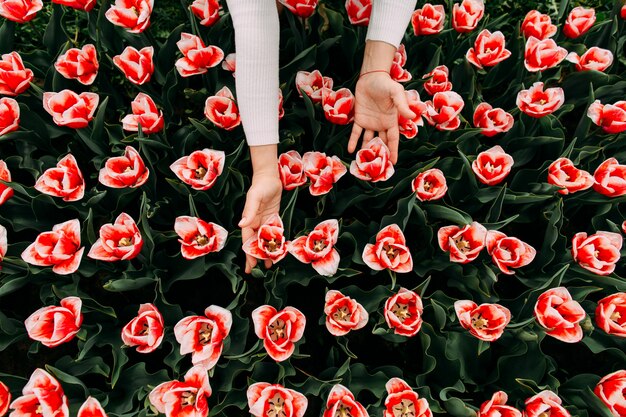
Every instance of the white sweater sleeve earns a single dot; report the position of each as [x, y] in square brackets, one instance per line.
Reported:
[257, 35]
[389, 20]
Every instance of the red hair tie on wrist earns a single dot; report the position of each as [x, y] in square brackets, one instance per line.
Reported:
[369, 72]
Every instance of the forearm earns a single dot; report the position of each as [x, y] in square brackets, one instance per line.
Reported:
[389, 20]
[256, 44]
[264, 160]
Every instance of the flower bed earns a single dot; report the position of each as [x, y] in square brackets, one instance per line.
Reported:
[482, 273]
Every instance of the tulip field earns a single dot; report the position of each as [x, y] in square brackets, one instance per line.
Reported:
[482, 275]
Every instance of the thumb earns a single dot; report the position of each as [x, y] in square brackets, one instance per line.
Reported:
[250, 210]
[402, 104]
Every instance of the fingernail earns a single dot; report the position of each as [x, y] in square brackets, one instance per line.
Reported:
[242, 221]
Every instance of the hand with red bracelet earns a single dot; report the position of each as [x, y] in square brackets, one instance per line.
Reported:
[378, 100]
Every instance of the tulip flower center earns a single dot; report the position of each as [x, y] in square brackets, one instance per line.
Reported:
[144, 329]
[390, 251]
[125, 241]
[204, 334]
[39, 409]
[315, 88]
[544, 414]
[277, 406]
[616, 316]
[343, 411]
[189, 398]
[479, 322]
[277, 330]
[200, 172]
[201, 240]
[462, 244]
[542, 102]
[272, 245]
[427, 185]
[319, 245]
[342, 314]
[405, 408]
[401, 311]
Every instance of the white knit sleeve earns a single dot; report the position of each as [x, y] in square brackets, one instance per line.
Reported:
[389, 20]
[257, 35]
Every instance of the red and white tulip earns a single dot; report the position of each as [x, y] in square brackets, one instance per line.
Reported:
[598, 253]
[489, 49]
[564, 174]
[41, 396]
[200, 169]
[323, 171]
[222, 110]
[508, 252]
[55, 325]
[79, 64]
[198, 238]
[203, 336]
[560, 315]
[389, 252]
[118, 241]
[279, 330]
[492, 166]
[59, 248]
[317, 248]
[463, 243]
[539, 102]
[70, 109]
[403, 312]
[137, 65]
[343, 314]
[146, 330]
[124, 171]
[197, 57]
[145, 114]
[269, 243]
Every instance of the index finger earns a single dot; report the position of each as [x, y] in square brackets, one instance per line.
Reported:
[354, 137]
[393, 141]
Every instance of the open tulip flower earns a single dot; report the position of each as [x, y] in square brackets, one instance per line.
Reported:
[397, 72]
[389, 251]
[611, 314]
[542, 54]
[9, 115]
[485, 322]
[266, 400]
[539, 102]
[20, 11]
[341, 402]
[463, 243]
[444, 109]
[200, 169]
[430, 185]
[598, 253]
[269, 243]
[497, 407]
[491, 120]
[279, 330]
[132, 15]
[437, 80]
[428, 20]
[15, 78]
[579, 21]
[59, 248]
[43, 396]
[373, 162]
[6, 192]
[343, 314]
[203, 336]
[323, 171]
[145, 114]
[146, 330]
[197, 57]
[610, 390]
[301, 8]
[508, 252]
[222, 110]
[55, 325]
[118, 241]
[79, 64]
[317, 248]
[596, 59]
[489, 50]
[545, 403]
[403, 312]
[312, 84]
[137, 65]
[610, 178]
[338, 105]
[124, 171]
[70, 109]
[560, 315]
[207, 11]
[359, 11]
[564, 174]
[291, 170]
[610, 117]
[538, 25]
[408, 127]
[184, 399]
[467, 14]
[198, 238]
[402, 401]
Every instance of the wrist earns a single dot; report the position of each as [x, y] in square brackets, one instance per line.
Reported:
[378, 56]
[264, 160]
